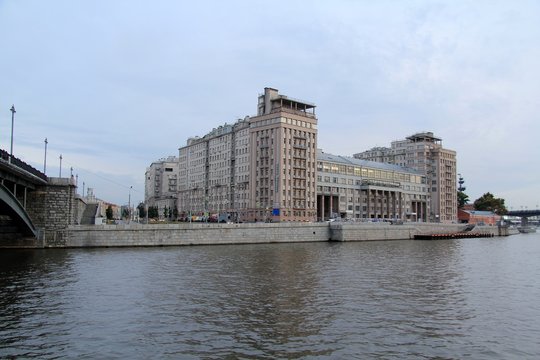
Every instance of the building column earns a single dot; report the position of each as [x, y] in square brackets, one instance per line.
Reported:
[322, 207]
[376, 200]
[331, 205]
[387, 204]
[393, 197]
[368, 202]
[400, 205]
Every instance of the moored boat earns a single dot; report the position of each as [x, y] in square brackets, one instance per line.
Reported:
[527, 229]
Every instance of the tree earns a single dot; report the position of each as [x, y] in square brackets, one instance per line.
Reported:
[166, 212]
[488, 202]
[142, 210]
[462, 199]
[109, 212]
[175, 213]
[461, 196]
[153, 212]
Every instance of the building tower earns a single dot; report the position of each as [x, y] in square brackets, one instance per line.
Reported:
[261, 168]
[283, 139]
[424, 152]
[161, 184]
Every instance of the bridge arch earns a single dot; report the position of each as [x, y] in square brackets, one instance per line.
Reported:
[9, 205]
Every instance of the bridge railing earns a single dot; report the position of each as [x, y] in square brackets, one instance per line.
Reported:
[524, 213]
[4, 155]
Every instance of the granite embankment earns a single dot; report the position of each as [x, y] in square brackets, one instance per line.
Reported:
[214, 234]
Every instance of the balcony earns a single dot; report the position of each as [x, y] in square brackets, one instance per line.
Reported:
[292, 111]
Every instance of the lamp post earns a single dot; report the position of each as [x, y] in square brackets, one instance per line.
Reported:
[12, 123]
[60, 175]
[129, 204]
[45, 159]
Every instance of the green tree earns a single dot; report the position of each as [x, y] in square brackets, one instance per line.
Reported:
[462, 199]
[153, 212]
[109, 212]
[175, 213]
[488, 202]
[166, 212]
[142, 210]
[461, 196]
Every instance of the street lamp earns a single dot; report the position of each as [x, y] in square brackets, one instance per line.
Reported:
[45, 160]
[12, 123]
[129, 204]
[60, 175]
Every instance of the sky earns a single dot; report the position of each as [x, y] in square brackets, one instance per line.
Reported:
[115, 85]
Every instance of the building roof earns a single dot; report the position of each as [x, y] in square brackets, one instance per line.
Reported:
[480, 213]
[307, 104]
[424, 136]
[346, 160]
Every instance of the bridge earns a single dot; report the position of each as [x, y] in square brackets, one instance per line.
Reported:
[33, 207]
[524, 215]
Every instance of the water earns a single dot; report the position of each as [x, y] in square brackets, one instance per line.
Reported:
[447, 299]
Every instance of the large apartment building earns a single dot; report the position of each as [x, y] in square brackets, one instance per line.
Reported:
[267, 168]
[260, 168]
[424, 152]
[161, 180]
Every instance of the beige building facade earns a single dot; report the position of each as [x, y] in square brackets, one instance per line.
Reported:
[283, 139]
[161, 181]
[424, 152]
[350, 188]
[261, 168]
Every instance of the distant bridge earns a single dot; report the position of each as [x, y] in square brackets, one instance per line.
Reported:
[524, 213]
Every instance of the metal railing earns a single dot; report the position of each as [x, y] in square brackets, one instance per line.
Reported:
[4, 155]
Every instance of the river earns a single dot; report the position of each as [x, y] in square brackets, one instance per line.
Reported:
[445, 299]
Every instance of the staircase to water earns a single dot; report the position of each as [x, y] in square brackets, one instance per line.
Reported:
[89, 214]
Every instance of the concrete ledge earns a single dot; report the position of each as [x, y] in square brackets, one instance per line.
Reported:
[194, 234]
[215, 234]
[385, 231]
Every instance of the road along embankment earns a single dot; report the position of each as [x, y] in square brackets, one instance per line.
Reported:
[216, 234]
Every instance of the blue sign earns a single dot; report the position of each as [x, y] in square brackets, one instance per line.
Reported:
[275, 212]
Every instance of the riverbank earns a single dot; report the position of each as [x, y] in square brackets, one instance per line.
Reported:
[183, 234]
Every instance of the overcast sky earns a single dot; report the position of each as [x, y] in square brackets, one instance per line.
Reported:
[116, 85]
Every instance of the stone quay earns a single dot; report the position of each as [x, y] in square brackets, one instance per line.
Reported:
[181, 234]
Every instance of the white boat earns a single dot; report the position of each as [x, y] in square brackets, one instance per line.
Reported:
[527, 229]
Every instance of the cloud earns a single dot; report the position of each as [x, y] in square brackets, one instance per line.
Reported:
[117, 85]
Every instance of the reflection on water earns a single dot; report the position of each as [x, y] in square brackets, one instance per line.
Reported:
[434, 299]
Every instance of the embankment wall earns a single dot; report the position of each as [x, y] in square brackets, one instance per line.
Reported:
[215, 234]
[192, 234]
[384, 231]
